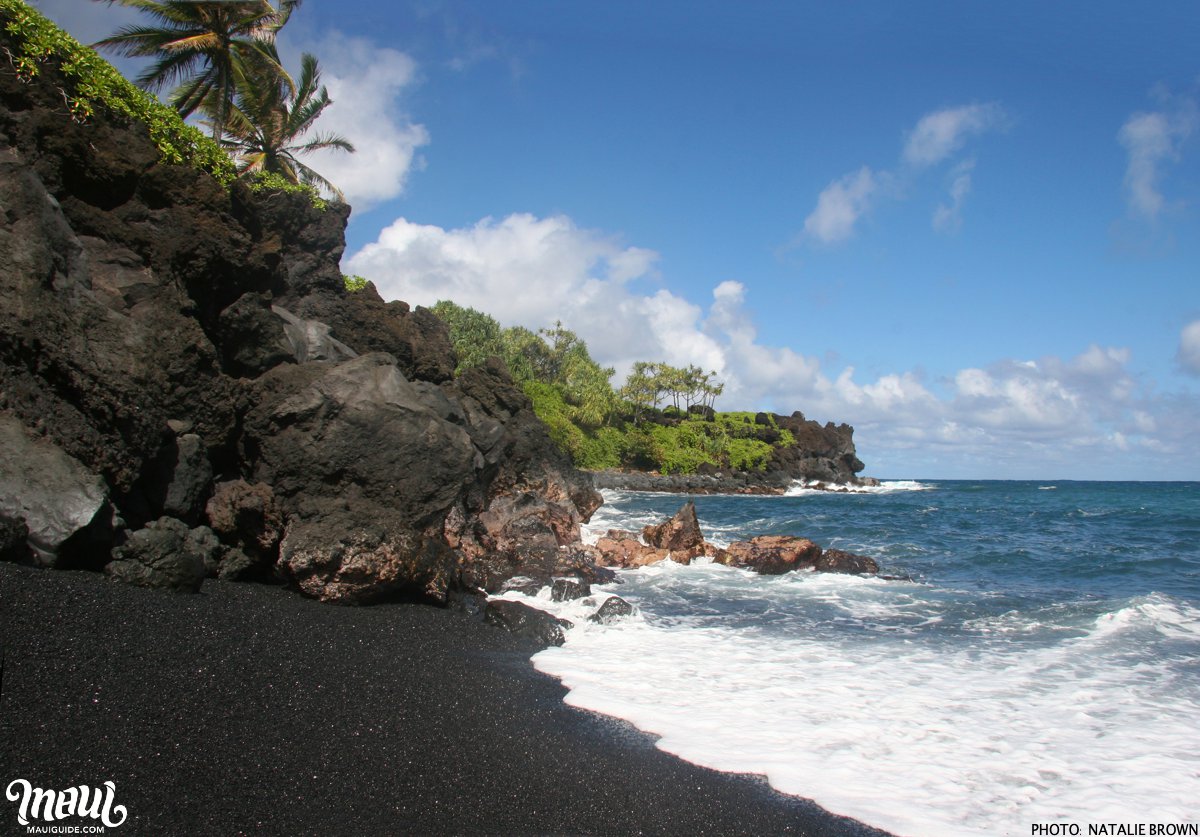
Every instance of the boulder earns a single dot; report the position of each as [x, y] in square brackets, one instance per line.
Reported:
[525, 621]
[358, 555]
[837, 561]
[191, 479]
[627, 553]
[613, 609]
[680, 535]
[771, 554]
[311, 339]
[568, 589]
[248, 520]
[251, 336]
[14, 539]
[60, 502]
[166, 554]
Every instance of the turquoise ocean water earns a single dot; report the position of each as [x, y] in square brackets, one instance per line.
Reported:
[1041, 666]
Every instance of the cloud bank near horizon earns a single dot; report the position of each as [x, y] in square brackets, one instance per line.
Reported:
[532, 271]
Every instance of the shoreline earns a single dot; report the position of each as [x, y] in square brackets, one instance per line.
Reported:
[732, 482]
[248, 708]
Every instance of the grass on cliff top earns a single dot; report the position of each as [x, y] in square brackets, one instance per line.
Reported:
[92, 83]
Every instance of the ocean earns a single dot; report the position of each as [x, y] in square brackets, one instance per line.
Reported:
[1041, 666]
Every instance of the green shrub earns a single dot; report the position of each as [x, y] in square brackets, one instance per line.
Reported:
[91, 83]
[748, 454]
[354, 283]
[600, 449]
[267, 181]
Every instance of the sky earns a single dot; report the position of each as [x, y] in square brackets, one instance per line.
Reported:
[971, 231]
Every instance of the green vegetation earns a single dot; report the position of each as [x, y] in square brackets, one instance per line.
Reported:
[223, 54]
[92, 83]
[353, 282]
[268, 120]
[221, 57]
[603, 428]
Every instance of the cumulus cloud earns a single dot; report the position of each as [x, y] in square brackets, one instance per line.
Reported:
[1189, 348]
[1152, 140]
[367, 84]
[942, 133]
[840, 205]
[532, 271]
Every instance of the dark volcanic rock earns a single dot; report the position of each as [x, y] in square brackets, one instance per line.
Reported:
[567, 589]
[525, 621]
[58, 500]
[345, 557]
[166, 341]
[14, 536]
[165, 554]
[613, 609]
[837, 561]
[771, 554]
[250, 522]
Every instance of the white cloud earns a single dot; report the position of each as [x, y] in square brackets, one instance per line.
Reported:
[1189, 348]
[939, 134]
[840, 206]
[936, 137]
[366, 84]
[947, 218]
[532, 271]
[1152, 140]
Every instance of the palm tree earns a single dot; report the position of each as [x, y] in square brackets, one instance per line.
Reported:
[204, 49]
[268, 120]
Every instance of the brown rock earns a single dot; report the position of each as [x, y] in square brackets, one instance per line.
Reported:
[679, 534]
[627, 553]
[771, 554]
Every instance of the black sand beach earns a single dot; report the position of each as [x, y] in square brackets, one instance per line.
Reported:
[246, 709]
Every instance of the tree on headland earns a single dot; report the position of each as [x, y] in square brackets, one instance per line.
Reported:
[203, 50]
[269, 118]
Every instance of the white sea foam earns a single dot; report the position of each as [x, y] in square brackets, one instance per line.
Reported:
[801, 488]
[920, 738]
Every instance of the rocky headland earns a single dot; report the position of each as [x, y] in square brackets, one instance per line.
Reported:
[188, 389]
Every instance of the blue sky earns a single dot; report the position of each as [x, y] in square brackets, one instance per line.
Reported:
[970, 230]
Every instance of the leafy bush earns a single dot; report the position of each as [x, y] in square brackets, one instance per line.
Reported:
[748, 454]
[265, 181]
[91, 83]
[353, 282]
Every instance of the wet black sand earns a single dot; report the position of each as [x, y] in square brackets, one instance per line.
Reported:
[248, 710]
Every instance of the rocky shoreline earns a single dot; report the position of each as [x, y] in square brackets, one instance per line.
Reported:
[732, 482]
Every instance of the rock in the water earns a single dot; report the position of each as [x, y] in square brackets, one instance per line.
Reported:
[165, 554]
[568, 589]
[628, 553]
[837, 561]
[526, 621]
[55, 496]
[680, 535]
[771, 554]
[614, 608]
